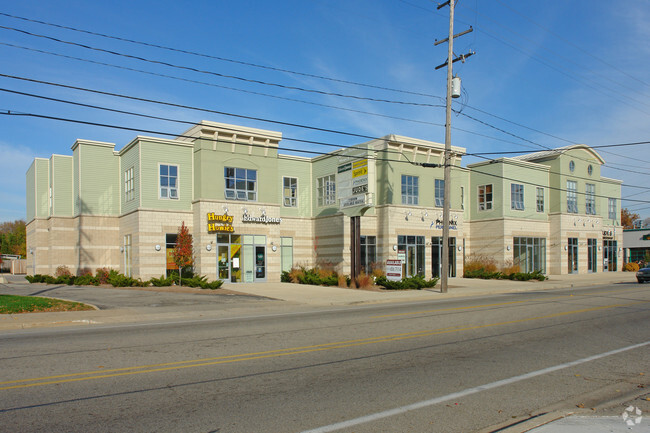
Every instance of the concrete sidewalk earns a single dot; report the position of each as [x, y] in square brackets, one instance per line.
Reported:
[263, 299]
[318, 295]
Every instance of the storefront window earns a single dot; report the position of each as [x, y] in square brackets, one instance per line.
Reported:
[368, 253]
[609, 255]
[241, 258]
[286, 251]
[529, 254]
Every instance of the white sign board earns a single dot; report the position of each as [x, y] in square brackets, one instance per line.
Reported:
[352, 183]
[394, 270]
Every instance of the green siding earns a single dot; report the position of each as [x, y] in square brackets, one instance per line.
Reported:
[30, 192]
[130, 159]
[153, 154]
[488, 174]
[99, 180]
[42, 188]
[320, 168]
[530, 178]
[61, 174]
[211, 158]
[301, 170]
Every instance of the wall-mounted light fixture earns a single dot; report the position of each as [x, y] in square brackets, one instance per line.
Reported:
[394, 247]
[460, 248]
[424, 215]
[225, 209]
[566, 248]
[121, 249]
[408, 214]
[208, 247]
[157, 247]
[508, 248]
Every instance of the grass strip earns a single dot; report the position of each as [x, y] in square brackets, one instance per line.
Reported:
[12, 304]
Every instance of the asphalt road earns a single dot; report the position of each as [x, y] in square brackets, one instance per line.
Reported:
[460, 365]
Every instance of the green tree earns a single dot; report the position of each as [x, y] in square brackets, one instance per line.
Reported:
[13, 238]
[182, 253]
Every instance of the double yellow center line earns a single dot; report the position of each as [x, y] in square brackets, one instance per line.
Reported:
[152, 368]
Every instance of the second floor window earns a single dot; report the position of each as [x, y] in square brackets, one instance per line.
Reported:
[168, 181]
[290, 191]
[611, 206]
[129, 186]
[540, 199]
[439, 193]
[241, 183]
[590, 199]
[485, 197]
[409, 189]
[571, 196]
[326, 190]
[516, 196]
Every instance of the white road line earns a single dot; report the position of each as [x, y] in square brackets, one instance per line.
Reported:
[466, 392]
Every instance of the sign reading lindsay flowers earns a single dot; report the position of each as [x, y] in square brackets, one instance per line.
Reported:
[220, 223]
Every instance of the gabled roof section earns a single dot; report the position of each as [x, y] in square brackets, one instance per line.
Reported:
[554, 153]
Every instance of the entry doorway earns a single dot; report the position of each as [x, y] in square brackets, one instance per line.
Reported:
[436, 256]
[241, 258]
[609, 255]
[572, 250]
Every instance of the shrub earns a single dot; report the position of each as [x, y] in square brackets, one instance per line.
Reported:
[416, 282]
[475, 262]
[343, 281]
[86, 280]
[63, 271]
[285, 277]
[162, 281]
[377, 270]
[510, 268]
[631, 267]
[102, 275]
[365, 281]
[84, 271]
[65, 279]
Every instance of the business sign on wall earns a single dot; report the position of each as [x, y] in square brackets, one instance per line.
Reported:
[263, 219]
[220, 223]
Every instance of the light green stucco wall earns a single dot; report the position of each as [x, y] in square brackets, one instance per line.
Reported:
[42, 188]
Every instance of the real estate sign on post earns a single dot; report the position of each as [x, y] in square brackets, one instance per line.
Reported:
[394, 270]
[352, 183]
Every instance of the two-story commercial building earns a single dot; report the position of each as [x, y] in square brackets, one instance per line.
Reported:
[254, 211]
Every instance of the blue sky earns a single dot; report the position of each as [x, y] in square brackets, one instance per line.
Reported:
[555, 73]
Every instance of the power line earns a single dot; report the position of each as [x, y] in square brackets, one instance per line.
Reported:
[126, 128]
[224, 59]
[217, 74]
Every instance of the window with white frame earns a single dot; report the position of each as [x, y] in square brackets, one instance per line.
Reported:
[485, 197]
[516, 196]
[611, 206]
[129, 185]
[241, 183]
[439, 192]
[409, 189]
[540, 199]
[571, 196]
[590, 199]
[169, 181]
[290, 191]
[327, 190]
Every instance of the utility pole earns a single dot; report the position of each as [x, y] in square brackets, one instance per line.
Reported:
[444, 275]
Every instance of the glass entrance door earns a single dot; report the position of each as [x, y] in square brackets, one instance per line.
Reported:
[436, 256]
[413, 247]
[609, 256]
[241, 258]
[573, 255]
[591, 255]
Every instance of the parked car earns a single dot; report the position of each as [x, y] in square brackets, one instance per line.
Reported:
[643, 275]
